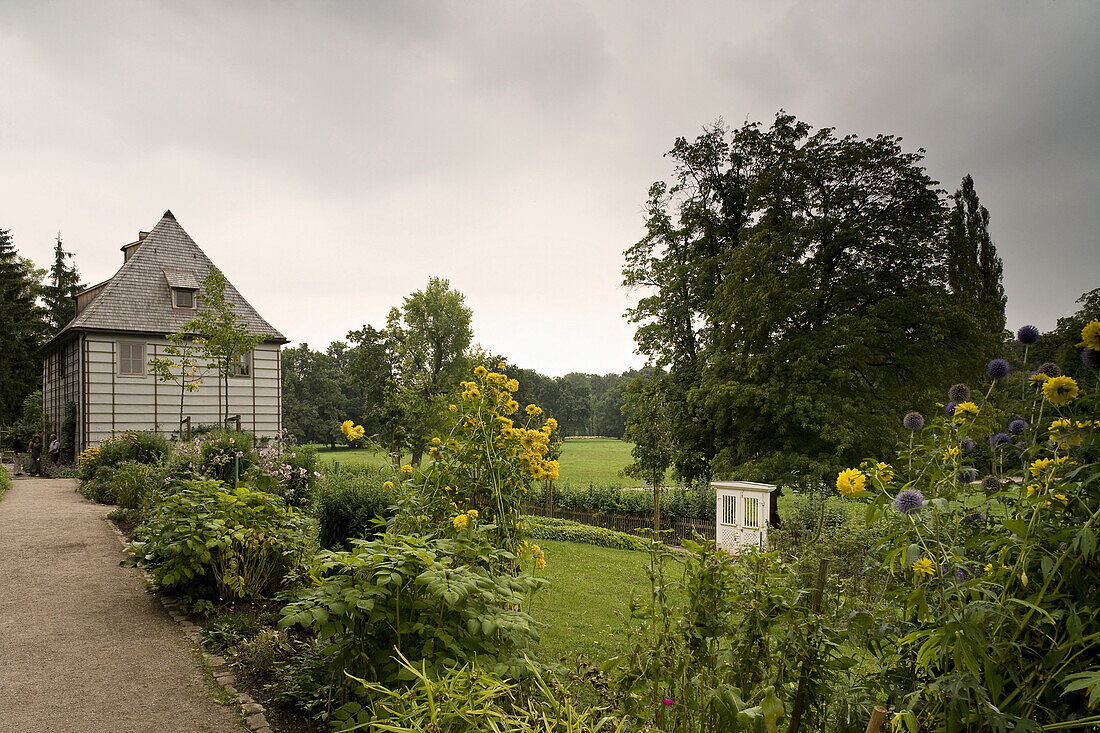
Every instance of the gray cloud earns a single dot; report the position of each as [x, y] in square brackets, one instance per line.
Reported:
[331, 156]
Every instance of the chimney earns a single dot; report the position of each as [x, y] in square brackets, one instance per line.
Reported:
[142, 236]
[129, 249]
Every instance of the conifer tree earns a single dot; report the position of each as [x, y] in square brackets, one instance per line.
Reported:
[21, 330]
[64, 282]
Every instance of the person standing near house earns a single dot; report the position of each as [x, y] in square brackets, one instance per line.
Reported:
[36, 456]
[55, 449]
[18, 449]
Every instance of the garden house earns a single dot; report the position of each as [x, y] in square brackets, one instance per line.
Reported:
[744, 511]
[96, 377]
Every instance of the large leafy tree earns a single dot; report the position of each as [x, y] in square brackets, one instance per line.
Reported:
[57, 294]
[22, 330]
[797, 291]
[974, 268]
[313, 402]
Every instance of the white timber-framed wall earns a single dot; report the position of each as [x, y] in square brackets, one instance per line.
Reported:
[118, 402]
[109, 402]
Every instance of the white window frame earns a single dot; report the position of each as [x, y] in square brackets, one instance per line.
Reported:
[130, 359]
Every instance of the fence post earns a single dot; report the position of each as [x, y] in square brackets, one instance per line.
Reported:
[236, 470]
[878, 717]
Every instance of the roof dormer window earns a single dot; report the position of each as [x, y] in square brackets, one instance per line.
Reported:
[183, 298]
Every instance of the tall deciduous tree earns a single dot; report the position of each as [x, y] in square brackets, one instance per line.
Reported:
[22, 330]
[63, 284]
[313, 402]
[797, 292]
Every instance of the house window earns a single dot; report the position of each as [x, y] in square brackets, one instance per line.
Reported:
[183, 298]
[243, 367]
[131, 359]
[729, 509]
[752, 512]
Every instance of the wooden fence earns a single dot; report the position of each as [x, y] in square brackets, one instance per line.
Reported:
[678, 529]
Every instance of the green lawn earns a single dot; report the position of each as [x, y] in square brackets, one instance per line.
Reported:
[595, 461]
[591, 461]
[585, 607]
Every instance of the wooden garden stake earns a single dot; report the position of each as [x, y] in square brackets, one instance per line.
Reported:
[804, 676]
[878, 717]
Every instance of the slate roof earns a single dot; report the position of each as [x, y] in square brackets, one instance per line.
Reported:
[138, 298]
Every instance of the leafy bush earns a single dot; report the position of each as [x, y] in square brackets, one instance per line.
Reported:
[225, 633]
[220, 454]
[98, 484]
[5, 481]
[136, 484]
[207, 540]
[285, 468]
[563, 530]
[347, 505]
[138, 447]
[437, 600]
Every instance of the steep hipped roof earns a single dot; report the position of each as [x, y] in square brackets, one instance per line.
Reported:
[138, 298]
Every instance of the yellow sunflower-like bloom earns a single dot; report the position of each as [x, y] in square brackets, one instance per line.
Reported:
[452, 408]
[850, 482]
[885, 472]
[963, 410]
[473, 513]
[534, 410]
[551, 423]
[511, 385]
[480, 370]
[407, 470]
[951, 453]
[924, 566]
[1060, 391]
[1090, 335]
[388, 485]
[461, 521]
[1037, 379]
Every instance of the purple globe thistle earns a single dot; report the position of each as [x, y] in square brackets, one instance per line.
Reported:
[949, 408]
[913, 421]
[909, 501]
[967, 445]
[966, 475]
[990, 484]
[1027, 335]
[974, 518]
[1090, 358]
[958, 393]
[1017, 427]
[997, 368]
[1001, 439]
[1050, 369]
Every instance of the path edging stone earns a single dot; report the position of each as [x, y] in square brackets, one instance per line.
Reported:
[251, 712]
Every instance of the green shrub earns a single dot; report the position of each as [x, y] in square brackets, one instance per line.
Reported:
[437, 601]
[563, 530]
[221, 454]
[5, 481]
[285, 468]
[136, 484]
[225, 633]
[98, 484]
[207, 540]
[138, 447]
[258, 654]
[346, 506]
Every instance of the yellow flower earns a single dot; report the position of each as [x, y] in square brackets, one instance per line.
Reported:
[885, 472]
[1059, 391]
[850, 482]
[950, 453]
[552, 423]
[407, 470]
[1062, 498]
[502, 366]
[453, 408]
[966, 409]
[1090, 335]
[473, 513]
[1067, 441]
[480, 370]
[540, 563]
[511, 385]
[989, 568]
[1041, 466]
[534, 410]
[924, 566]
[1037, 379]
[388, 485]
[1034, 488]
[461, 521]
[436, 441]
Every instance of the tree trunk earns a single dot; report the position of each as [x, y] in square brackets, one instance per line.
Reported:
[656, 504]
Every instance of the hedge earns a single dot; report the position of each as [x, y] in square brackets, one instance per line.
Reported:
[563, 530]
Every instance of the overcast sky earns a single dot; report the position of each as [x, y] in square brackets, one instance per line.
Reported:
[330, 157]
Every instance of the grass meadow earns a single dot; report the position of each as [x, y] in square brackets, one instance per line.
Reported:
[597, 461]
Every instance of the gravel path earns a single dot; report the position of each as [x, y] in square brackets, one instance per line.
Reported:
[83, 647]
